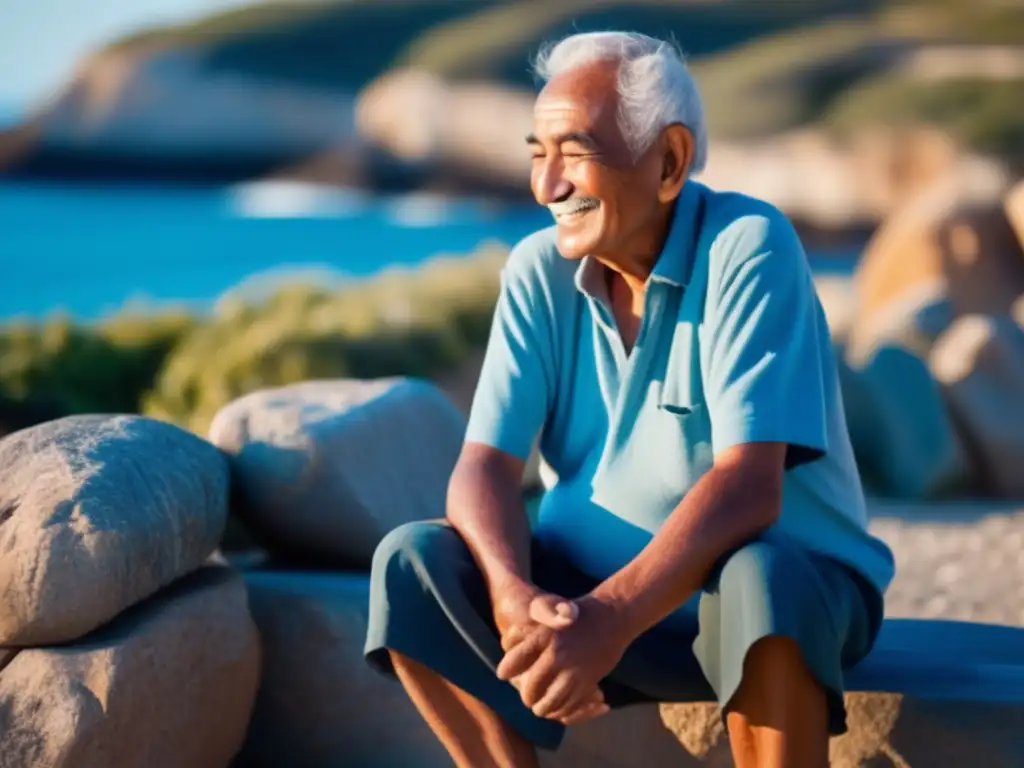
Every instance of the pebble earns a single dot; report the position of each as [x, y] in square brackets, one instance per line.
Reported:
[954, 560]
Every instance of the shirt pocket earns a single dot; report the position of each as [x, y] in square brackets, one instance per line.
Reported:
[688, 425]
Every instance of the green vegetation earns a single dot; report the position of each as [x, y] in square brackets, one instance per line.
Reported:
[339, 45]
[63, 367]
[496, 43]
[183, 369]
[983, 114]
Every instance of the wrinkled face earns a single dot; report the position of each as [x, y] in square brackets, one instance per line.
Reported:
[602, 197]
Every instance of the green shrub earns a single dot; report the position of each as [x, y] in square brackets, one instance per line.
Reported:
[420, 323]
[982, 114]
[184, 368]
[76, 368]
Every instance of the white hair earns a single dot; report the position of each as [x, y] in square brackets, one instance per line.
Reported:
[655, 86]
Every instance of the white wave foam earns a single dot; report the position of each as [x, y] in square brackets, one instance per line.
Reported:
[296, 199]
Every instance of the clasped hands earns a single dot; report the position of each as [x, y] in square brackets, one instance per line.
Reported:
[557, 651]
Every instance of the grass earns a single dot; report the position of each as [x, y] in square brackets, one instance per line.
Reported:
[183, 368]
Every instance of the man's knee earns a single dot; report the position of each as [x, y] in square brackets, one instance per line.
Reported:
[409, 558]
[413, 542]
[754, 568]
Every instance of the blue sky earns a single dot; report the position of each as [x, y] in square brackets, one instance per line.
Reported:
[41, 40]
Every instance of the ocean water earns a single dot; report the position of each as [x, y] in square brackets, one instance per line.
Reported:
[90, 250]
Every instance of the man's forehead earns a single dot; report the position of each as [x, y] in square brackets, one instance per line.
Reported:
[587, 93]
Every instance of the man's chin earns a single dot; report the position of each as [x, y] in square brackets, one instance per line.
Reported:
[574, 245]
[572, 254]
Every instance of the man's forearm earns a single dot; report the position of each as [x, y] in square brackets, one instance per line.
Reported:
[722, 511]
[485, 506]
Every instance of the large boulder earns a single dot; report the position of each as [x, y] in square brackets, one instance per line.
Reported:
[320, 704]
[323, 469]
[959, 238]
[97, 513]
[932, 694]
[478, 127]
[839, 301]
[913, 320]
[169, 683]
[979, 363]
[1015, 209]
[905, 442]
[885, 729]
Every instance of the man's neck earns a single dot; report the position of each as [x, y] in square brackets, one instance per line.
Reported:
[632, 265]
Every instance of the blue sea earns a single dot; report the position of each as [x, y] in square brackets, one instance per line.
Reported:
[90, 250]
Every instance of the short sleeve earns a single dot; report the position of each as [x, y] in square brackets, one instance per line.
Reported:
[514, 392]
[763, 356]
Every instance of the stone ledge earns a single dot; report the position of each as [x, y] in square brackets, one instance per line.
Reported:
[933, 694]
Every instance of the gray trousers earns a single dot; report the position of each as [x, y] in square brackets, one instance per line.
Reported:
[428, 601]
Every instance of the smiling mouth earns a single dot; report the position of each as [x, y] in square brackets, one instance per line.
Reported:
[575, 210]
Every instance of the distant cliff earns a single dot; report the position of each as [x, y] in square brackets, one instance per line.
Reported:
[436, 94]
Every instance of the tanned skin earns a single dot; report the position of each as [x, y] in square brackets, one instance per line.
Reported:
[558, 650]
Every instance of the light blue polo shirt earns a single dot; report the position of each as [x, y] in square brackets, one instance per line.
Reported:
[733, 348]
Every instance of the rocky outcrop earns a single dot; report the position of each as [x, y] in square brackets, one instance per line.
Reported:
[839, 301]
[96, 514]
[979, 363]
[1015, 210]
[476, 126]
[323, 469]
[832, 183]
[319, 703]
[169, 683]
[929, 363]
[154, 112]
[121, 100]
[924, 678]
[886, 729]
[953, 238]
[904, 439]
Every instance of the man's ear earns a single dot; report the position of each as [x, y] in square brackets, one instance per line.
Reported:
[676, 156]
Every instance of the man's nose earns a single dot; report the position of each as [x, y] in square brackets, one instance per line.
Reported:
[550, 185]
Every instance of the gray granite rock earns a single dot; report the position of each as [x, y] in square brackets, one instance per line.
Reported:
[904, 439]
[935, 694]
[97, 513]
[171, 682]
[319, 703]
[325, 468]
[979, 363]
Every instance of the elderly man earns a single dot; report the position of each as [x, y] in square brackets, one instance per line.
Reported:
[706, 537]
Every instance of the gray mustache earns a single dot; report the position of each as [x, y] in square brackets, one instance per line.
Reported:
[573, 205]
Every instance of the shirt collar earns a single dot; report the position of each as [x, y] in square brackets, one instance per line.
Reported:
[677, 253]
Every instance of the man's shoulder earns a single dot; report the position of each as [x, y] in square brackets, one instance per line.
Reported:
[535, 258]
[738, 227]
[730, 212]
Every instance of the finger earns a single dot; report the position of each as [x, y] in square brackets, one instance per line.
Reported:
[581, 697]
[520, 658]
[557, 695]
[589, 712]
[553, 611]
[581, 700]
[537, 681]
